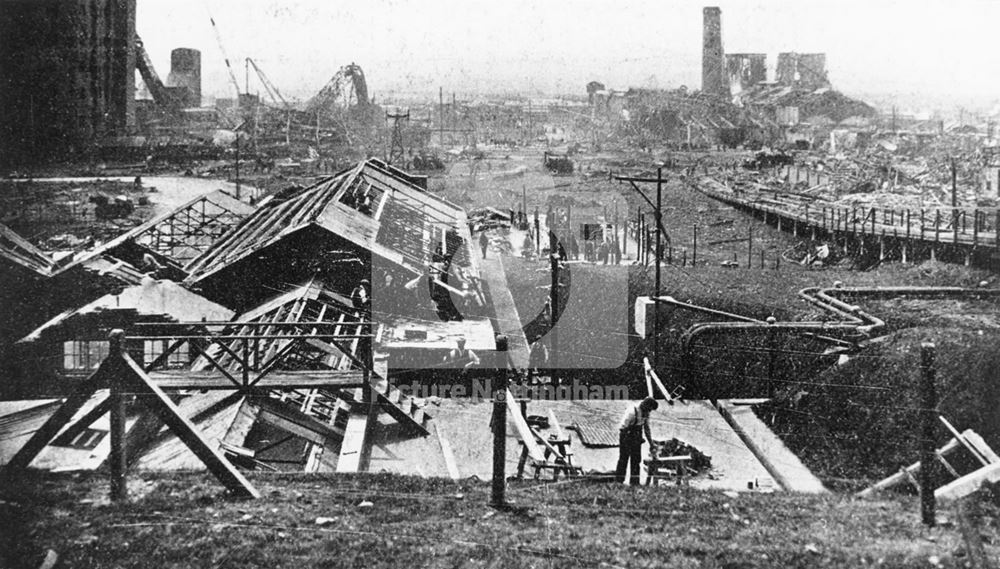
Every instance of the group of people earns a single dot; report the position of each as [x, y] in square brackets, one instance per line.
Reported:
[605, 252]
[360, 200]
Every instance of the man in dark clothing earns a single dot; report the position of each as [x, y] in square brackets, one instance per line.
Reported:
[484, 243]
[460, 356]
[633, 425]
[361, 296]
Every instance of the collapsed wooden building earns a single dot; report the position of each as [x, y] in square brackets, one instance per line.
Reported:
[273, 344]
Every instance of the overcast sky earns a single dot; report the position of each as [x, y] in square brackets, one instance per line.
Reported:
[931, 47]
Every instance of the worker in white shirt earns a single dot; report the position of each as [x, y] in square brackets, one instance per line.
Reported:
[633, 425]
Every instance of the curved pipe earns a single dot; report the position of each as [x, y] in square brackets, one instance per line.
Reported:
[851, 317]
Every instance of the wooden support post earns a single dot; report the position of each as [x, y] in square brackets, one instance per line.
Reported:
[499, 424]
[136, 380]
[538, 237]
[694, 248]
[772, 345]
[372, 409]
[749, 245]
[638, 234]
[117, 381]
[569, 225]
[762, 257]
[64, 414]
[929, 411]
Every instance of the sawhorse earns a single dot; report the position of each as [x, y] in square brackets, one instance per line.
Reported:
[676, 463]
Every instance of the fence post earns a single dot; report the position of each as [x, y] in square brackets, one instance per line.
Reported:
[499, 424]
[694, 249]
[929, 414]
[117, 460]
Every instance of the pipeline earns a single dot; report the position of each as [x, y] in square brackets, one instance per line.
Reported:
[852, 320]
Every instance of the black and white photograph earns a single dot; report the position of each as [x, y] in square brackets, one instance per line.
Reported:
[499, 284]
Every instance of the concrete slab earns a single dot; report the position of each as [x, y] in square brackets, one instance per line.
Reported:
[465, 425]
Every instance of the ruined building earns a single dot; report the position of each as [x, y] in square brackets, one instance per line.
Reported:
[746, 70]
[67, 78]
[802, 70]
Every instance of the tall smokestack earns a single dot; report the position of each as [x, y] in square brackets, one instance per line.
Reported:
[713, 60]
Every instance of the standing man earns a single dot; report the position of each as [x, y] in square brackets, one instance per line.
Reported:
[460, 356]
[484, 242]
[633, 425]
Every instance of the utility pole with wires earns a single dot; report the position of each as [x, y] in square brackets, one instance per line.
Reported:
[660, 233]
[554, 260]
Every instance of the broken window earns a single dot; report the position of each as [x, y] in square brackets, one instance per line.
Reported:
[153, 349]
[84, 354]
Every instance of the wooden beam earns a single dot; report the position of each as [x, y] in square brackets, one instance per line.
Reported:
[554, 423]
[449, 456]
[960, 438]
[523, 430]
[969, 483]
[353, 444]
[63, 415]
[87, 420]
[135, 378]
[209, 379]
[651, 375]
[296, 422]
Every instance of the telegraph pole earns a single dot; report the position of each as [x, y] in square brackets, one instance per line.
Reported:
[660, 232]
[237, 164]
[554, 300]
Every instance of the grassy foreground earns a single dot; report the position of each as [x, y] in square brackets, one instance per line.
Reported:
[183, 520]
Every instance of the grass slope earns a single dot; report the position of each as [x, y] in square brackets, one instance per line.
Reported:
[181, 520]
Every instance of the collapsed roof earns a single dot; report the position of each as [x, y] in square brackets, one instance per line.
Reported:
[373, 207]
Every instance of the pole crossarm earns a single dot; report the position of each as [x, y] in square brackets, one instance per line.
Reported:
[658, 215]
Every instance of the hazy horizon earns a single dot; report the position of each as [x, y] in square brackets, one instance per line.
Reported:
[882, 49]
